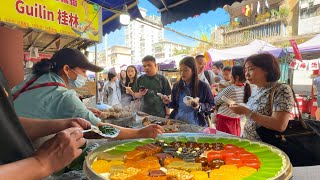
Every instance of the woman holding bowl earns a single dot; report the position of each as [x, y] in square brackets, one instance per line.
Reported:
[263, 70]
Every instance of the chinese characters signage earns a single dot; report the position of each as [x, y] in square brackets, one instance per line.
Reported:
[69, 17]
[305, 64]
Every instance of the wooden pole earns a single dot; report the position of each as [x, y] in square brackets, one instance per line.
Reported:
[96, 74]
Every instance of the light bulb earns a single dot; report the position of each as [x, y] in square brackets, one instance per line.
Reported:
[124, 19]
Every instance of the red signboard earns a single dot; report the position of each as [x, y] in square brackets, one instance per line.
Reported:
[296, 49]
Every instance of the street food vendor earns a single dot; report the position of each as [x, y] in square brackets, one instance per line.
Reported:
[46, 94]
[18, 159]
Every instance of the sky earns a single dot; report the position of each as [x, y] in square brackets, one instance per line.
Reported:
[191, 26]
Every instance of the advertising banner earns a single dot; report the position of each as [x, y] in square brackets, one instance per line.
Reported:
[67, 17]
[296, 49]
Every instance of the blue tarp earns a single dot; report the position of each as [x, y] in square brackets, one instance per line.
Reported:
[110, 8]
[188, 8]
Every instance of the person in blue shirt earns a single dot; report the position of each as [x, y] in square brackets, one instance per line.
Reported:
[46, 94]
[190, 85]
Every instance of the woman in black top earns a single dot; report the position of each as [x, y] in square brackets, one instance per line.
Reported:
[131, 78]
[122, 81]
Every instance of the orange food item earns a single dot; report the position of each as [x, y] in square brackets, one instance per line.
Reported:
[150, 158]
[126, 174]
[140, 176]
[158, 178]
[150, 149]
[245, 171]
[179, 175]
[227, 154]
[214, 155]
[148, 163]
[235, 160]
[135, 155]
[200, 175]
[170, 160]
[100, 166]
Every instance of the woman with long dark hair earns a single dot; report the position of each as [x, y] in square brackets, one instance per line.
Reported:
[239, 92]
[122, 81]
[131, 79]
[190, 85]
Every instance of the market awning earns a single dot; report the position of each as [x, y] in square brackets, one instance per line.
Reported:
[312, 45]
[111, 10]
[177, 10]
[240, 52]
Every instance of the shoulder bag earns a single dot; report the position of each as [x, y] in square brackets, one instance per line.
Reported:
[301, 139]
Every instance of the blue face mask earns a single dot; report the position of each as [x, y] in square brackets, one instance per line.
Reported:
[77, 83]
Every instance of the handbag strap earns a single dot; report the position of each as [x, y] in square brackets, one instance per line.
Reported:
[295, 107]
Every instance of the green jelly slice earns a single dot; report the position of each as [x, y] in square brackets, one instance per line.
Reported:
[116, 152]
[182, 139]
[125, 148]
[168, 139]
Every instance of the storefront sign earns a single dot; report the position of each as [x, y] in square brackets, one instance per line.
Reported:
[69, 17]
[296, 49]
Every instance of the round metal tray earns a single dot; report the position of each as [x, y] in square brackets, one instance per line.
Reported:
[284, 174]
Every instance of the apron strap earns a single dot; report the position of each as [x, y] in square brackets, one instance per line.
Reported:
[27, 88]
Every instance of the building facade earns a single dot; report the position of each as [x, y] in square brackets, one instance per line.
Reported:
[141, 35]
[119, 55]
[217, 35]
[167, 49]
[309, 17]
[276, 21]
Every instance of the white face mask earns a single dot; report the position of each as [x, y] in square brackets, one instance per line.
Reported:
[79, 82]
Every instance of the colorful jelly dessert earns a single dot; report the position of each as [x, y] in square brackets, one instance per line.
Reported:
[156, 173]
[135, 155]
[162, 157]
[195, 158]
[179, 174]
[199, 175]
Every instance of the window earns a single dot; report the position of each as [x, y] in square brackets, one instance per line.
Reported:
[310, 12]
